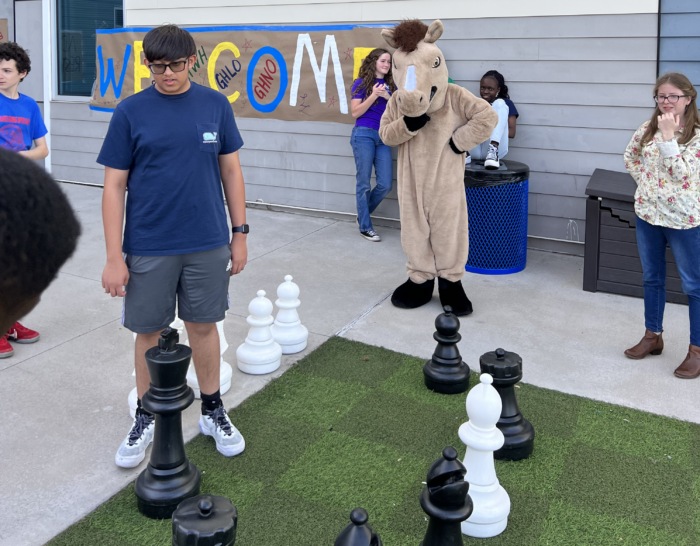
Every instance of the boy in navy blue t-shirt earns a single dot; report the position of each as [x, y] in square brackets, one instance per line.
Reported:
[172, 146]
[20, 127]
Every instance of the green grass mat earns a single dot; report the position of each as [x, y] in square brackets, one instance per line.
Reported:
[353, 425]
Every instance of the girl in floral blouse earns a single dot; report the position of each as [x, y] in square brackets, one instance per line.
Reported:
[663, 157]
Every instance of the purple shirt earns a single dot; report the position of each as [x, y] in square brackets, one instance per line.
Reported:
[374, 113]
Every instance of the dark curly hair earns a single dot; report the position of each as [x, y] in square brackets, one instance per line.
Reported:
[368, 71]
[503, 88]
[408, 34]
[10, 51]
[38, 230]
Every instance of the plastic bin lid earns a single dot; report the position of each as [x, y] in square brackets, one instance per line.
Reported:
[475, 175]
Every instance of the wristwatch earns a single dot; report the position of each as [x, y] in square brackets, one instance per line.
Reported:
[241, 229]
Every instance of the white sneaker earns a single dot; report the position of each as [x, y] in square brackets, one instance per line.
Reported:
[133, 448]
[229, 441]
[492, 158]
[371, 235]
[469, 159]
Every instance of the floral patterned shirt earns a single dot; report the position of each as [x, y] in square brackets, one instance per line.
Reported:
[668, 179]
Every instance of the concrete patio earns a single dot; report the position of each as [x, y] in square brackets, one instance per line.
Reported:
[64, 399]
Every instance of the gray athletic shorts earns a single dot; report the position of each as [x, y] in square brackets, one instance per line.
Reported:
[198, 280]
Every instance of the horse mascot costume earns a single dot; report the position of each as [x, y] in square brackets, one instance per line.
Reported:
[432, 122]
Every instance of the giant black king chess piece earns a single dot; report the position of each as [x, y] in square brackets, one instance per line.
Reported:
[506, 368]
[446, 500]
[170, 477]
[446, 373]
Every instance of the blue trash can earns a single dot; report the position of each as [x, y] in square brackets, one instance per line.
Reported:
[497, 205]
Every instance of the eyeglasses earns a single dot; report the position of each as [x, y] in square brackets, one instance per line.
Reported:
[175, 66]
[672, 99]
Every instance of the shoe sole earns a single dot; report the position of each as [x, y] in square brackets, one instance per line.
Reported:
[226, 451]
[7, 355]
[371, 239]
[490, 165]
[653, 353]
[25, 341]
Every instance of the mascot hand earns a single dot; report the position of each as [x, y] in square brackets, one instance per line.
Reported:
[413, 124]
[454, 148]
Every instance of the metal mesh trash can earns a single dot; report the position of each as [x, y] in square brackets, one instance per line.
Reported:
[497, 205]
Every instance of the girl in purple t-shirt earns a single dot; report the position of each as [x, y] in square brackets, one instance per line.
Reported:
[370, 93]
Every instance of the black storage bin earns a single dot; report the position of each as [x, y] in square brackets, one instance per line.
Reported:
[611, 259]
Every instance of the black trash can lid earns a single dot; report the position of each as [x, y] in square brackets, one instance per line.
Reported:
[475, 175]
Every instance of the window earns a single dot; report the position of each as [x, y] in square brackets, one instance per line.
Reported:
[77, 21]
[679, 38]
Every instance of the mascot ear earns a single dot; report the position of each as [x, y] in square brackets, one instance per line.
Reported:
[435, 30]
[388, 35]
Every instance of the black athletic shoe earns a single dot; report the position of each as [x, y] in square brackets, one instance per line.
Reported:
[491, 162]
[371, 235]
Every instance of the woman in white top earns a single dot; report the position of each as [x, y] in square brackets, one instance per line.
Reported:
[663, 157]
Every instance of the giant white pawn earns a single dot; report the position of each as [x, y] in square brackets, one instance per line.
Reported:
[482, 438]
[288, 330]
[225, 370]
[260, 353]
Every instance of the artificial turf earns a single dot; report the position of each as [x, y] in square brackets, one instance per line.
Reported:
[353, 425]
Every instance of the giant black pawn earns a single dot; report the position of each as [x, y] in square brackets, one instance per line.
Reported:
[358, 533]
[507, 369]
[446, 500]
[170, 477]
[205, 520]
[446, 372]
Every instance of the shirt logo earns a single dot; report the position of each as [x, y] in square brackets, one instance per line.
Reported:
[209, 138]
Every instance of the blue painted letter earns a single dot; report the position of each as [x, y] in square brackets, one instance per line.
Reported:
[105, 79]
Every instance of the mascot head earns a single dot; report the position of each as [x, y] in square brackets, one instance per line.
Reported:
[418, 67]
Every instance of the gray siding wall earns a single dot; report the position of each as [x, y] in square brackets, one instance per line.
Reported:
[582, 85]
[679, 49]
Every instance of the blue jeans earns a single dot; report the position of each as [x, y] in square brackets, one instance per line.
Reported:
[685, 245]
[369, 150]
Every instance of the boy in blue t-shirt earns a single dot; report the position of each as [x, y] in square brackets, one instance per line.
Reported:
[20, 127]
[172, 146]
[20, 118]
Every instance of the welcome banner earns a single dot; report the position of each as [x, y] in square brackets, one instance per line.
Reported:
[289, 73]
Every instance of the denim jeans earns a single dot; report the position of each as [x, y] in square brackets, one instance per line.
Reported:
[369, 150]
[685, 245]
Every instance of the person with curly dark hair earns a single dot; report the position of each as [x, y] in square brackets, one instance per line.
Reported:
[370, 93]
[21, 125]
[38, 233]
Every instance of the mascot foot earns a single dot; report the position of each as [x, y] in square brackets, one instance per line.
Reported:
[411, 295]
[452, 294]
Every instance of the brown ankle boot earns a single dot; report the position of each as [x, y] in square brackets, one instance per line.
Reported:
[650, 344]
[690, 369]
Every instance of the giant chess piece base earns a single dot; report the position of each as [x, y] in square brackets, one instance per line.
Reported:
[170, 477]
[487, 501]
